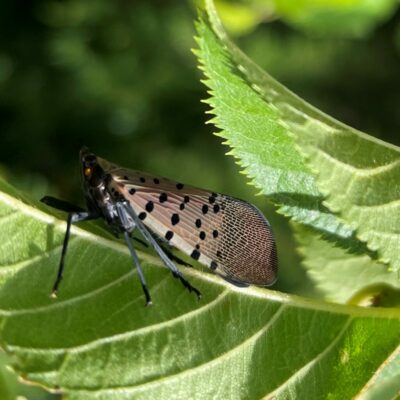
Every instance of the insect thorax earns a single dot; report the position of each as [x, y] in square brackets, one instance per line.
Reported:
[108, 202]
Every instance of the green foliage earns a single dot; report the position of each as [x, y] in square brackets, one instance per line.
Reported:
[260, 141]
[336, 18]
[97, 340]
[12, 389]
[349, 18]
[385, 384]
[360, 177]
[6, 381]
[263, 122]
[345, 277]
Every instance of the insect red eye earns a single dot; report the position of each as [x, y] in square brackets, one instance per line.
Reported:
[87, 171]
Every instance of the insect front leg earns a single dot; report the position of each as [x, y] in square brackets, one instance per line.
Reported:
[153, 243]
[125, 224]
[136, 263]
[73, 217]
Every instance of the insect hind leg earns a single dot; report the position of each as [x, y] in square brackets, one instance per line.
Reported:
[186, 283]
[172, 256]
[166, 260]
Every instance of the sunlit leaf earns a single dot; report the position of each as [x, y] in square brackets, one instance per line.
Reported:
[385, 384]
[99, 341]
[345, 277]
[262, 120]
[258, 135]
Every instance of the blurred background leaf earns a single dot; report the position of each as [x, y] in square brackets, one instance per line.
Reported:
[333, 18]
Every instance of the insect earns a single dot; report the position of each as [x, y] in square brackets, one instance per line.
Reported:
[228, 235]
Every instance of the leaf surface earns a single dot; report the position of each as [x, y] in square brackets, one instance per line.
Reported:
[345, 277]
[98, 341]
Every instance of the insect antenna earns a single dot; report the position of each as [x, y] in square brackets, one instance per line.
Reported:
[61, 205]
[153, 243]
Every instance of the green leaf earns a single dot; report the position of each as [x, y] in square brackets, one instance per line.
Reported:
[344, 277]
[360, 177]
[354, 18]
[97, 340]
[247, 107]
[243, 17]
[259, 118]
[334, 18]
[6, 382]
[12, 389]
[385, 384]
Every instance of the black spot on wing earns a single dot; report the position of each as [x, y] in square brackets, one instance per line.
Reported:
[195, 254]
[149, 206]
[163, 197]
[169, 235]
[174, 219]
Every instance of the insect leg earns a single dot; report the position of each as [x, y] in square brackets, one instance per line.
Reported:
[60, 204]
[173, 257]
[168, 263]
[136, 262]
[72, 218]
[127, 227]
[167, 250]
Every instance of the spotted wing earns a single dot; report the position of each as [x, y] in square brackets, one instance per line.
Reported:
[226, 234]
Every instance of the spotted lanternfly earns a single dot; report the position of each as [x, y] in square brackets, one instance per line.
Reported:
[228, 235]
